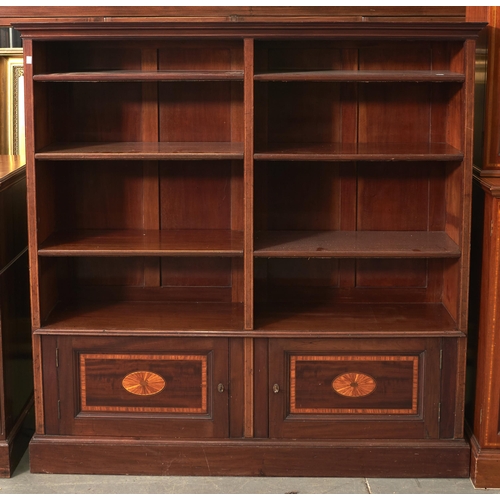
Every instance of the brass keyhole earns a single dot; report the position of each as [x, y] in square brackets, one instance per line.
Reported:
[220, 387]
[276, 388]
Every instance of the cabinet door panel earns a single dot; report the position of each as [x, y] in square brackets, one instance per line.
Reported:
[141, 387]
[363, 388]
[152, 383]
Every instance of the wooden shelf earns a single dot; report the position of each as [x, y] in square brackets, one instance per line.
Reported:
[360, 152]
[148, 317]
[123, 243]
[356, 244]
[365, 76]
[140, 76]
[352, 319]
[142, 151]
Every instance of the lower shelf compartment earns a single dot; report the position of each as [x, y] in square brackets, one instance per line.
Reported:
[120, 316]
[256, 457]
[222, 317]
[426, 319]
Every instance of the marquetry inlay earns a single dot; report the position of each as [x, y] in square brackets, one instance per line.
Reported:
[143, 383]
[148, 381]
[354, 385]
[347, 381]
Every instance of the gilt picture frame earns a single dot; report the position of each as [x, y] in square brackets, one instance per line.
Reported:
[12, 139]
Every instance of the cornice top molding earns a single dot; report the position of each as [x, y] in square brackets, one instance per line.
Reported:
[152, 28]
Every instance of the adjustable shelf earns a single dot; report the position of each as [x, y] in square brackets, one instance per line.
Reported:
[142, 151]
[362, 76]
[140, 76]
[122, 243]
[356, 244]
[359, 152]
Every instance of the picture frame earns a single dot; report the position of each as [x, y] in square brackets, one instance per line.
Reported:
[12, 140]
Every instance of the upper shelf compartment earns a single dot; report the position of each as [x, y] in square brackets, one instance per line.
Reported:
[310, 105]
[357, 61]
[139, 100]
[188, 120]
[158, 60]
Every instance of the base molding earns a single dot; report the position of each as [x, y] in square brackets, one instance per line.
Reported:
[484, 466]
[258, 457]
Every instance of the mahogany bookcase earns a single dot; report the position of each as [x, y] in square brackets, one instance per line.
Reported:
[249, 245]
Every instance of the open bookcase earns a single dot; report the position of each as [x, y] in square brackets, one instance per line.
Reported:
[253, 239]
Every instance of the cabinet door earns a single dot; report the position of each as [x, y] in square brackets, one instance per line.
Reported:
[136, 387]
[364, 388]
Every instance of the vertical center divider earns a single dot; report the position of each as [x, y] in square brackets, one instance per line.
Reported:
[151, 182]
[348, 171]
[248, 178]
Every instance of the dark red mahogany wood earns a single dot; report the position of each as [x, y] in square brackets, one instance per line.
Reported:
[254, 215]
[484, 421]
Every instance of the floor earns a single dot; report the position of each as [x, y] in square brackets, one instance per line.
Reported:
[24, 482]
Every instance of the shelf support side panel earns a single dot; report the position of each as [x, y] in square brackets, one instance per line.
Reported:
[470, 53]
[31, 183]
[459, 187]
[33, 233]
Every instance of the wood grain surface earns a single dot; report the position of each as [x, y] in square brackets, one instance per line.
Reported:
[351, 244]
[119, 243]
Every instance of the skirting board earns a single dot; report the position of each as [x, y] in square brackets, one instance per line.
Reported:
[368, 458]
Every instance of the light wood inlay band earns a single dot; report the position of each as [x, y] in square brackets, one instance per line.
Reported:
[369, 411]
[150, 357]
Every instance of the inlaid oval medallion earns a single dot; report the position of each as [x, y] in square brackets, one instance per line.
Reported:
[143, 383]
[354, 385]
